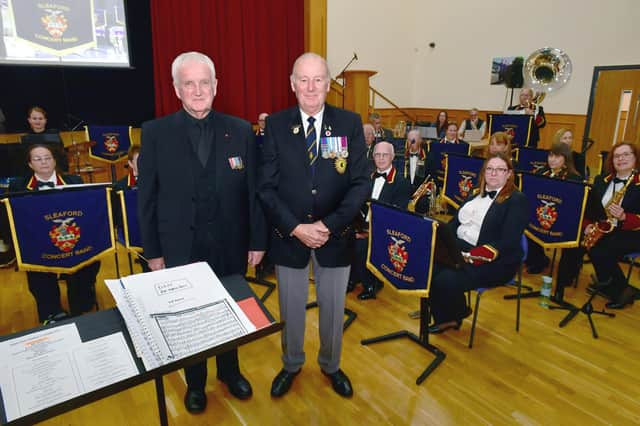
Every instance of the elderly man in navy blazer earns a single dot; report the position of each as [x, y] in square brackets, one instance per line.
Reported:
[197, 198]
[313, 180]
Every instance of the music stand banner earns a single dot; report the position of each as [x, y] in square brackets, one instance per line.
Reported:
[517, 125]
[129, 204]
[556, 210]
[461, 175]
[60, 231]
[401, 248]
[531, 159]
[111, 142]
[436, 156]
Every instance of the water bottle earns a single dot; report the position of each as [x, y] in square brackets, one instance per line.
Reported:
[545, 291]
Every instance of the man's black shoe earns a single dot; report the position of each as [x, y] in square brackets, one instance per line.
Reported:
[195, 401]
[282, 383]
[340, 383]
[238, 386]
[369, 292]
[54, 318]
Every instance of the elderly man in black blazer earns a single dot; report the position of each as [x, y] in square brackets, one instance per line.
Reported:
[313, 180]
[197, 198]
[387, 186]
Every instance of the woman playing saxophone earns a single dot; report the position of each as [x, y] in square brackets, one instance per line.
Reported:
[613, 221]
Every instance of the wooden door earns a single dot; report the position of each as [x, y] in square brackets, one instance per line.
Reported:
[605, 115]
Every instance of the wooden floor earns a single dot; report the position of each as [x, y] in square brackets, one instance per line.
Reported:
[542, 375]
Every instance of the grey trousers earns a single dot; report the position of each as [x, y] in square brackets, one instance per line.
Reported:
[293, 291]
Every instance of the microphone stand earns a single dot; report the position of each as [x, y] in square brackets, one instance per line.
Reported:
[354, 58]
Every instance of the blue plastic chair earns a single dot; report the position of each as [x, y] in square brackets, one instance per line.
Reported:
[517, 281]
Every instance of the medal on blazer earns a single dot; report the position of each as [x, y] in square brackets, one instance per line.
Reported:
[343, 148]
[341, 165]
[327, 130]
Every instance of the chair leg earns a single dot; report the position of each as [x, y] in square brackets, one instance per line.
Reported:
[475, 318]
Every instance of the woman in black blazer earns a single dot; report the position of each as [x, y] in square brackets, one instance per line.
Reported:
[44, 285]
[559, 166]
[620, 221]
[489, 228]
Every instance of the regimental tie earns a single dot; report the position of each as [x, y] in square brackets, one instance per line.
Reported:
[312, 151]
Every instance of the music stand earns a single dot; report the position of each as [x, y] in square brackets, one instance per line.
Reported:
[447, 252]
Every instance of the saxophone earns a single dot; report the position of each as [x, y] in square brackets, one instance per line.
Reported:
[427, 187]
[595, 233]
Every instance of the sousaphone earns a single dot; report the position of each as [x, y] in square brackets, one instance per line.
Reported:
[546, 70]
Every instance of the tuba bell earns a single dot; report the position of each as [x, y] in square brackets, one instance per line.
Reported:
[546, 70]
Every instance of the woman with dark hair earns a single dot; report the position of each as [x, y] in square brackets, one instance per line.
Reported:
[559, 166]
[489, 228]
[612, 220]
[44, 285]
[442, 122]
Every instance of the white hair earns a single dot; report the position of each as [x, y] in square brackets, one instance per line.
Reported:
[183, 58]
[383, 144]
[310, 55]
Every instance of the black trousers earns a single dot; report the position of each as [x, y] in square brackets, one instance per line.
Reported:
[227, 363]
[606, 254]
[448, 286]
[80, 291]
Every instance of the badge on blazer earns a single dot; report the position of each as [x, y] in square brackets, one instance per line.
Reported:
[296, 129]
[341, 165]
[236, 163]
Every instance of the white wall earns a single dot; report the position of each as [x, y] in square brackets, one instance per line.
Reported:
[392, 37]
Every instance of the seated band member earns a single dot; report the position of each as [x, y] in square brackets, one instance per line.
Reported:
[500, 142]
[370, 140]
[539, 121]
[44, 285]
[472, 123]
[451, 134]
[37, 120]
[614, 209]
[489, 227]
[380, 133]
[566, 136]
[559, 166]
[442, 122]
[389, 187]
[262, 122]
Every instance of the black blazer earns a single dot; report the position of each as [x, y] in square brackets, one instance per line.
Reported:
[502, 227]
[167, 191]
[396, 191]
[630, 203]
[29, 183]
[291, 194]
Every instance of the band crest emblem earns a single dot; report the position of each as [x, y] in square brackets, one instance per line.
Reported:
[111, 142]
[398, 254]
[65, 235]
[546, 214]
[55, 23]
[464, 185]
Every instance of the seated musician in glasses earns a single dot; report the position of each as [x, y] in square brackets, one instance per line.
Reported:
[612, 222]
[489, 227]
[387, 186]
[44, 285]
[527, 106]
[472, 123]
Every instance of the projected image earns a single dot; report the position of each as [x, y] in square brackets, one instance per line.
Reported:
[64, 32]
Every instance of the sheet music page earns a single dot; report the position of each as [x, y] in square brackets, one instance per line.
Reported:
[178, 312]
[36, 370]
[103, 361]
[53, 365]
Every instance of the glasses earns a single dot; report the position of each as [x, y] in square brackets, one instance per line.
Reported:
[381, 154]
[497, 170]
[622, 155]
[42, 159]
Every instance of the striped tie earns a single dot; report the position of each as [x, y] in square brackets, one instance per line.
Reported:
[311, 141]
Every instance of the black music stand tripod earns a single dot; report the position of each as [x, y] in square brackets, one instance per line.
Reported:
[422, 340]
[586, 309]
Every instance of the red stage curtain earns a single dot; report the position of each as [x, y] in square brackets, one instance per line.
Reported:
[253, 44]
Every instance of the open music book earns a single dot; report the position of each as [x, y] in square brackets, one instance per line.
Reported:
[177, 312]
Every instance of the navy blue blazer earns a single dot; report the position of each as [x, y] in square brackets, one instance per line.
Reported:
[502, 227]
[291, 194]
